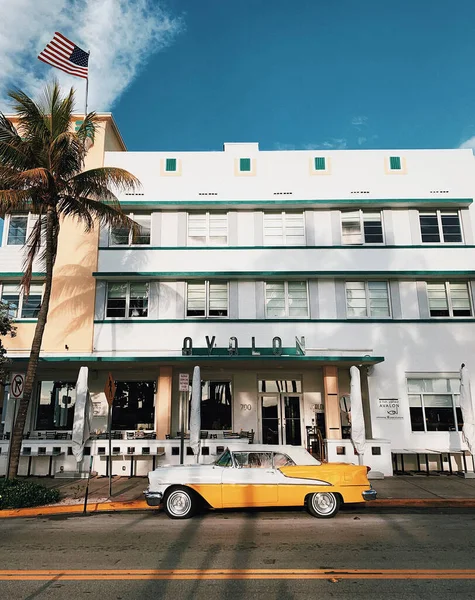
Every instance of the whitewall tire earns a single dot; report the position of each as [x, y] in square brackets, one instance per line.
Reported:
[323, 505]
[180, 503]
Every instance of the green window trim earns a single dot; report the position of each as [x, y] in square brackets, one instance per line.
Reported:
[78, 125]
[245, 165]
[395, 163]
[170, 164]
[320, 163]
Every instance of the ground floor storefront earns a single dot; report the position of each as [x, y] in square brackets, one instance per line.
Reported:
[301, 400]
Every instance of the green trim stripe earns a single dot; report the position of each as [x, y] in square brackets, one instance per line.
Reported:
[292, 274]
[145, 321]
[205, 357]
[19, 275]
[289, 202]
[341, 247]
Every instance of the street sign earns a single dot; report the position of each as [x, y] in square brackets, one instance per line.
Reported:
[109, 389]
[183, 382]
[17, 386]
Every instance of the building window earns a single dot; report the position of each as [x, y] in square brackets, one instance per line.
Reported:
[361, 227]
[123, 236]
[286, 299]
[440, 226]
[320, 163]
[133, 406]
[449, 299]
[207, 229]
[434, 404]
[395, 163]
[127, 299]
[216, 405]
[367, 299]
[284, 229]
[207, 299]
[170, 164]
[56, 405]
[19, 305]
[19, 228]
[245, 164]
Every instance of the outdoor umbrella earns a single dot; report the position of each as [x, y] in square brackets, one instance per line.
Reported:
[357, 418]
[468, 409]
[195, 412]
[82, 415]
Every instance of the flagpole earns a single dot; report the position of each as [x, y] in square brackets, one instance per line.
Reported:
[87, 88]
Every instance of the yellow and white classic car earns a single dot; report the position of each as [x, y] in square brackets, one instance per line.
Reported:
[261, 475]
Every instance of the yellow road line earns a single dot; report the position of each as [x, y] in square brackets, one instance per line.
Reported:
[220, 574]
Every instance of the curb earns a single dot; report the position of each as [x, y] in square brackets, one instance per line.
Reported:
[141, 505]
[92, 507]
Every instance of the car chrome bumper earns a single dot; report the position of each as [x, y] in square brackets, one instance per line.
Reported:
[153, 498]
[370, 494]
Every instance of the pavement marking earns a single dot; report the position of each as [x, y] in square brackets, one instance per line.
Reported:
[217, 574]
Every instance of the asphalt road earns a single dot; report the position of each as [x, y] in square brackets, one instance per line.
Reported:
[285, 555]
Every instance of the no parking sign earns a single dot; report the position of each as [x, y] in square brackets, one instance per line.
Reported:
[17, 386]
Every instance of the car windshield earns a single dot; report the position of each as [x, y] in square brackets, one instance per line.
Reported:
[224, 460]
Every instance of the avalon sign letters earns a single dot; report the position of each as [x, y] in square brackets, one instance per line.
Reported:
[233, 348]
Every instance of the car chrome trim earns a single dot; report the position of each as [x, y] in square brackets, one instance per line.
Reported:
[153, 498]
[369, 495]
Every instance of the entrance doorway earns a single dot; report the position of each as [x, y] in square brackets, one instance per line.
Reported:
[281, 421]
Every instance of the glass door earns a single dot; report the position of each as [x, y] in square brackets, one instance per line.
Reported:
[281, 421]
[292, 425]
[270, 418]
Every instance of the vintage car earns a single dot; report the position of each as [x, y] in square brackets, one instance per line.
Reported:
[259, 475]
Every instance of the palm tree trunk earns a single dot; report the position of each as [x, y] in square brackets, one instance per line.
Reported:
[52, 231]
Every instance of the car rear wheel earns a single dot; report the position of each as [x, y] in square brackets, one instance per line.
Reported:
[180, 503]
[323, 505]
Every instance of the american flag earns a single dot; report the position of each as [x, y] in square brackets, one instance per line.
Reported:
[65, 55]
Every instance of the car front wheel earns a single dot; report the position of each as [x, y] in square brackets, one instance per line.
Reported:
[323, 505]
[180, 503]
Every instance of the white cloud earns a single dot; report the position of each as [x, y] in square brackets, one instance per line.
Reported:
[361, 140]
[334, 144]
[359, 120]
[470, 143]
[120, 34]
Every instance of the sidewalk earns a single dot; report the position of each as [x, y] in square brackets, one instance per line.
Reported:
[416, 491]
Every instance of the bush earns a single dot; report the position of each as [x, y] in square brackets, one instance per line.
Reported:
[15, 493]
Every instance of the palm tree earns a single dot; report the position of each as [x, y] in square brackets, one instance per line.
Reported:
[41, 171]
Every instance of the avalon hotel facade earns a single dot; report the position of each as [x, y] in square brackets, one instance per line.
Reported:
[275, 272]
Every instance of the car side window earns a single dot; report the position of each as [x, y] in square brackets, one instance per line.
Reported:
[224, 460]
[282, 460]
[253, 460]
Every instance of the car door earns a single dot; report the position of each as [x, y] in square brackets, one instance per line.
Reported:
[252, 481]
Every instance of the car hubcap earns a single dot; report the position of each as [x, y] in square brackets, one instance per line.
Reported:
[323, 503]
[179, 503]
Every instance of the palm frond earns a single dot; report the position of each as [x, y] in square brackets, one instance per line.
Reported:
[67, 154]
[97, 183]
[60, 108]
[14, 155]
[8, 133]
[14, 200]
[33, 123]
[92, 212]
[88, 128]
[31, 178]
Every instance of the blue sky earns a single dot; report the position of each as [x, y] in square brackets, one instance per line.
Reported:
[288, 74]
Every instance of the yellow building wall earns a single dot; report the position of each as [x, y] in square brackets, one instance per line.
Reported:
[71, 315]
